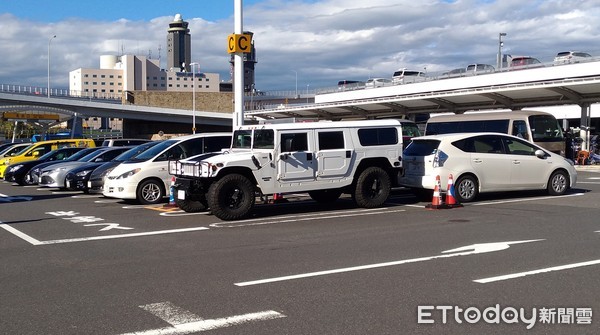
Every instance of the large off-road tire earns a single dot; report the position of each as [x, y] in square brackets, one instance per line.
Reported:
[191, 206]
[325, 196]
[150, 192]
[466, 189]
[558, 183]
[231, 197]
[373, 188]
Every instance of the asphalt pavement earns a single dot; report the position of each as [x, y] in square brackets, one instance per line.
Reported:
[512, 263]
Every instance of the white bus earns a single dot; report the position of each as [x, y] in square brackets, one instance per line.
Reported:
[538, 127]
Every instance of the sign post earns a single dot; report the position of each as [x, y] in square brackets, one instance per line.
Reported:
[238, 43]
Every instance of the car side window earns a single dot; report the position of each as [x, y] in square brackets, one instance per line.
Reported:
[294, 142]
[517, 147]
[329, 140]
[519, 129]
[488, 145]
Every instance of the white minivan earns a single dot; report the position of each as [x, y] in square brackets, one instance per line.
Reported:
[146, 178]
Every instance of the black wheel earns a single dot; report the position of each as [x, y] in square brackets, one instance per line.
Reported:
[26, 180]
[191, 206]
[372, 188]
[231, 197]
[466, 189]
[150, 192]
[325, 196]
[558, 183]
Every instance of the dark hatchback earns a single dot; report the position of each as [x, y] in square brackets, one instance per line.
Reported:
[17, 173]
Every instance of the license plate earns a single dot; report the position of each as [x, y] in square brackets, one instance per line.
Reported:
[180, 194]
[89, 184]
[68, 184]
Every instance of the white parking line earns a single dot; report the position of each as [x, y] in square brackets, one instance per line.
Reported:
[185, 322]
[524, 199]
[538, 271]
[305, 217]
[93, 238]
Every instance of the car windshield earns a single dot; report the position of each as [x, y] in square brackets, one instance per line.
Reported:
[76, 156]
[49, 155]
[410, 130]
[545, 128]
[133, 152]
[421, 148]
[153, 151]
[90, 156]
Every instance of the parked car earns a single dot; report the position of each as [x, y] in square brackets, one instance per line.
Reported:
[378, 82]
[34, 174]
[38, 149]
[524, 62]
[404, 76]
[93, 179]
[475, 69]
[54, 176]
[483, 162]
[568, 57]
[460, 72]
[145, 178]
[17, 173]
[13, 149]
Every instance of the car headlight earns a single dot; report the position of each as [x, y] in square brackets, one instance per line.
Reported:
[35, 171]
[83, 173]
[106, 172]
[129, 173]
[14, 168]
[51, 171]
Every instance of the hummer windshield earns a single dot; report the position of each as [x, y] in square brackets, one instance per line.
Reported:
[260, 139]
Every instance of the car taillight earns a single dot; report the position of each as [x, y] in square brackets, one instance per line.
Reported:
[439, 159]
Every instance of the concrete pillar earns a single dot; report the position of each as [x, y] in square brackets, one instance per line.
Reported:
[584, 128]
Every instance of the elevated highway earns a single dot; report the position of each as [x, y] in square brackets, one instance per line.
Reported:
[66, 108]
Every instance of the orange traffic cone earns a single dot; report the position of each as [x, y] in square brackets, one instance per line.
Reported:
[450, 198]
[436, 202]
[278, 198]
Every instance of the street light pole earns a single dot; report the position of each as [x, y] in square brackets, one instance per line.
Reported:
[193, 97]
[49, 40]
[296, 72]
[500, 45]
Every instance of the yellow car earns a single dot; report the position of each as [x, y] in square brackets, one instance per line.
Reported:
[37, 149]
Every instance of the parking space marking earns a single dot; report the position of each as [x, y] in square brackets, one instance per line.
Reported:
[535, 272]
[185, 322]
[34, 241]
[171, 313]
[524, 199]
[183, 213]
[473, 249]
[304, 217]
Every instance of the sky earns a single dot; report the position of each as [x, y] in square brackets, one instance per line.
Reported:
[300, 44]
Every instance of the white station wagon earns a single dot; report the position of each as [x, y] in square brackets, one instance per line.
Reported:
[483, 162]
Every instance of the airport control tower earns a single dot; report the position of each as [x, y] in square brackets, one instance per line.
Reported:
[179, 45]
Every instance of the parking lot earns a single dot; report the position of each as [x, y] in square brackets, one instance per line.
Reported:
[508, 263]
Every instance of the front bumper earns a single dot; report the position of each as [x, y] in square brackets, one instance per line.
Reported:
[119, 188]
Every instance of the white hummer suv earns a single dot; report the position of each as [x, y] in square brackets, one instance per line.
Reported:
[325, 159]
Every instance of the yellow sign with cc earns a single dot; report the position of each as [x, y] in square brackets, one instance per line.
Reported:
[239, 43]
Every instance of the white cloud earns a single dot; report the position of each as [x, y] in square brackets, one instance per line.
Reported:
[323, 41]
